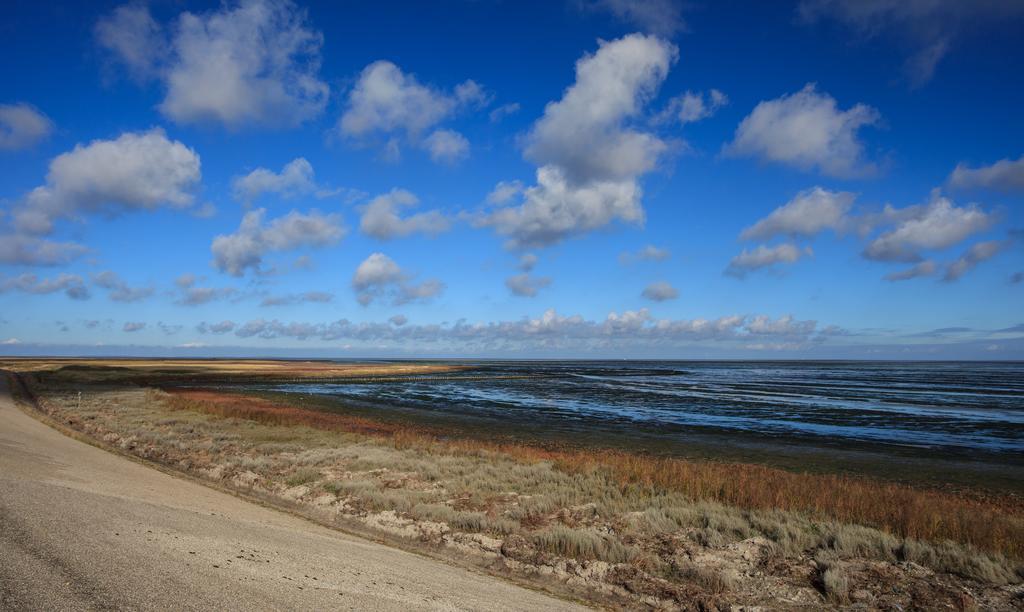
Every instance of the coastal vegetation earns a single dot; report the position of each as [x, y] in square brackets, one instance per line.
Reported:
[605, 525]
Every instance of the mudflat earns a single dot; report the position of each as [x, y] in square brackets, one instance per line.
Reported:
[81, 528]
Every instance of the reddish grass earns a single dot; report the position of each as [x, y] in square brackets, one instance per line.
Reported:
[995, 525]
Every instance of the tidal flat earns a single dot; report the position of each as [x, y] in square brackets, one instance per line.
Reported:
[592, 519]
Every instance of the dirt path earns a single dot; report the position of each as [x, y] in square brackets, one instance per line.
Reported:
[81, 528]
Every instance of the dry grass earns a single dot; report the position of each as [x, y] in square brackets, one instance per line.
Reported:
[550, 510]
[994, 525]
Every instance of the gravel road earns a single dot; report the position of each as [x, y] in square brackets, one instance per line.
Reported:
[81, 528]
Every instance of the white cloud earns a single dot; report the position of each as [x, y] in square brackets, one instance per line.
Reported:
[938, 225]
[527, 262]
[782, 326]
[388, 102]
[22, 250]
[554, 209]
[197, 296]
[1004, 175]
[590, 161]
[133, 326]
[661, 17]
[806, 130]
[141, 170]
[924, 268]
[379, 277]
[10, 342]
[252, 62]
[503, 111]
[978, 253]
[22, 126]
[216, 328]
[809, 213]
[385, 99]
[660, 292]
[647, 253]
[169, 329]
[584, 132]
[71, 284]
[447, 146]
[504, 191]
[118, 290]
[295, 178]
[471, 93]
[381, 219]
[134, 38]
[234, 253]
[525, 285]
[930, 26]
[317, 297]
[692, 106]
[551, 330]
[764, 256]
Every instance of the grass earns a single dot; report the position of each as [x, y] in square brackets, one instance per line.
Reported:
[658, 518]
[993, 525]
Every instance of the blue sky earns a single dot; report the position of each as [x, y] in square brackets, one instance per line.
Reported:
[825, 178]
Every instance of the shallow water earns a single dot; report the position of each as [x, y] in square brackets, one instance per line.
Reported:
[967, 411]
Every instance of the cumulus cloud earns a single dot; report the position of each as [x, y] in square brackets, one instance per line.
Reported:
[388, 102]
[118, 290]
[978, 253]
[525, 285]
[808, 131]
[137, 170]
[937, 225]
[924, 268]
[16, 249]
[22, 126]
[378, 277]
[555, 209]
[589, 159]
[661, 17]
[71, 284]
[319, 297]
[245, 248]
[133, 326]
[254, 62]
[504, 191]
[763, 257]
[1004, 175]
[809, 213]
[930, 27]
[447, 146]
[647, 253]
[295, 178]
[692, 106]
[134, 39]
[660, 292]
[381, 217]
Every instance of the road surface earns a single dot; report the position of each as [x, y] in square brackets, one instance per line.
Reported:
[81, 528]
